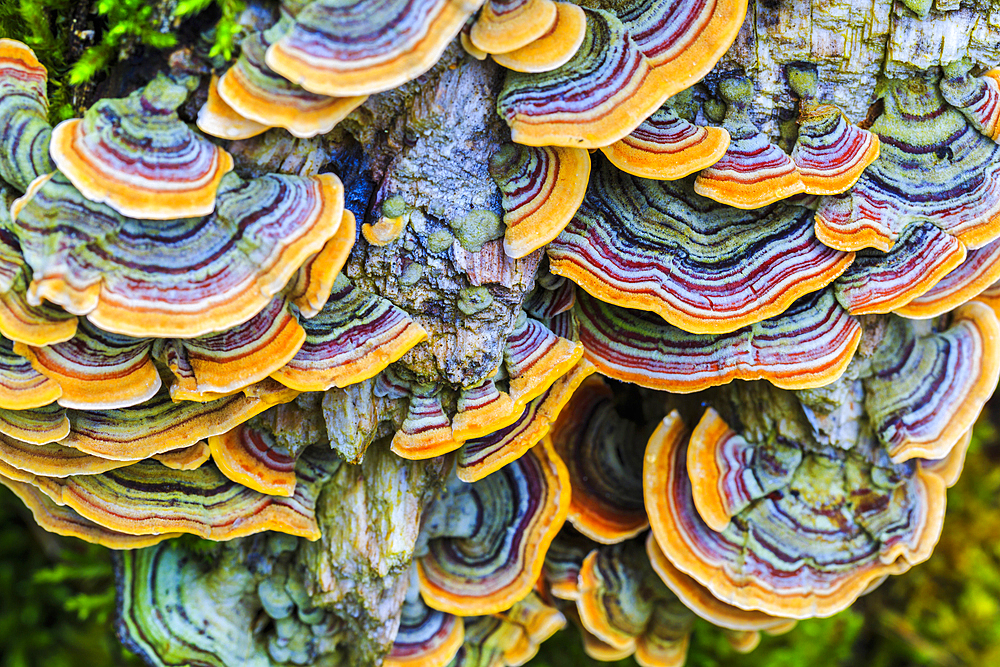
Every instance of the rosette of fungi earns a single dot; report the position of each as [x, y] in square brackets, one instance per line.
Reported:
[148, 498]
[179, 278]
[135, 155]
[625, 606]
[977, 97]
[251, 90]
[484, 455]
[24, 107]
[809, 345]
[930, 380]
[668, 145]
[603, 452]
[551, 49]
[830, 153]
[934, 166]
[354, 336]
[634, 56]
[753, 172]
[790, 515]
[702, 266]
[361, 47]
[506, 25]
[540, 190]
[486, 541]
[427, 637]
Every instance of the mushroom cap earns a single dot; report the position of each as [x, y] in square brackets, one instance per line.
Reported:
[976, 97]
[147, 498]
[486, 548]
[506, 25]
[482, 410]
[224, 363]
[666, 147]
[209, 274]
[933, 167]
[809, 345]
[535, 358]
[251, 457]
[593, 100]
[137, 156]
[701, 266]
[252, 90]
[353, 337]
[426, 638]
[940, 374]
[830, 152]
[65, 521]
[808, 550]
[21, 386]
[753, 172]
[216, 118]
[96, 369]
[313, 283]
[540, 189]
[159, 425]
[483, 456]
[24, 128]
[700, 600]
[879, 282]
[554, 48]
[426, 431]
[979, 270]
[603, 453]
[361, 47]
[624, 604]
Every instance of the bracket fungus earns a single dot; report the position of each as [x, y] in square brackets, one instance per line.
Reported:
[389, 428]
[137, 156]
[701, 266]
[753, 172]
[362, 46]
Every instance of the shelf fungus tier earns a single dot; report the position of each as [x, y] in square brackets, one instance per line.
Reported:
[633, 57]
[540, 189]
[822, 525]
[255, 92]
[969, 279]
[667, 146]
[702, 266]
[24, 127]
[603, 453]
[426, 638]
[179, 278]
[486, 541]
[136, 155]
[930, 380]
[361, 47]
[977, 97]
[506, 25]
[934, 166]
[353, 337]
[627, 607]
[21, 386]
[552, 49]
[809, 345]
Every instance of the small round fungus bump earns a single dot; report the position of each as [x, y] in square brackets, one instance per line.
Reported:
[476, 228]
[472, 300]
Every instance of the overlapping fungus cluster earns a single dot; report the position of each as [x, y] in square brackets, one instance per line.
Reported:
[184, 352]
